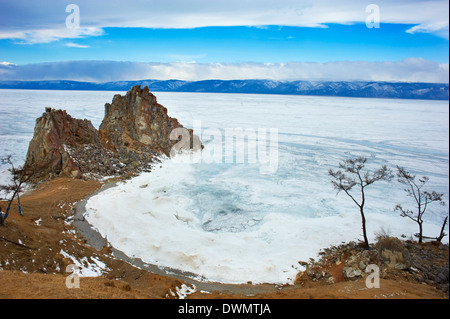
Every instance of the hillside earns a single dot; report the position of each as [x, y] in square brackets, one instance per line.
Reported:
[401, 90]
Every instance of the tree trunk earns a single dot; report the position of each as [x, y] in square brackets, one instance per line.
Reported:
[420, 232]
[442, 234]
[363, 219]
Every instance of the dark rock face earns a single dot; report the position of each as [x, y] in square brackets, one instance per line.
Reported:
[135, 130]
[430, 263]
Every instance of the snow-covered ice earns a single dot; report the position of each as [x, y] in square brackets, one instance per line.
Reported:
[231, 223]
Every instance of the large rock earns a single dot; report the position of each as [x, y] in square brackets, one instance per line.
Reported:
[54, 133]
[393, 253]
[134, 131]
[136, 121]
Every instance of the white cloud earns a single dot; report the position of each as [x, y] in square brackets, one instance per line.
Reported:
[76, 45]
[6, 64]
[440, 29]
[50, 35]
[407, 70]
[34, 22]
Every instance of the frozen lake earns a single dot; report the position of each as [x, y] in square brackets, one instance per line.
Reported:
[232, 220]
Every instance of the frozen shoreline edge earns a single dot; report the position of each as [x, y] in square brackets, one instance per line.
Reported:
[97, 241]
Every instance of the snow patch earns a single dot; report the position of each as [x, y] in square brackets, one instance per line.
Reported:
[86, 268]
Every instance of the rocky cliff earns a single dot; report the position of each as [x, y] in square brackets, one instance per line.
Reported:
[135, 130]
[137, 122]
[55, 133]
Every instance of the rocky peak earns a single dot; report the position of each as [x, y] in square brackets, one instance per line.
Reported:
[54, 131]
[136, 121]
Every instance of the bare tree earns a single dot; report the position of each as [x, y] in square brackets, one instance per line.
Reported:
[442, 234]
[350, 174]
[421, 197]
[14, 188]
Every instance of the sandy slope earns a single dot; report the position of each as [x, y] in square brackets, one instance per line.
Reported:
[33, 260]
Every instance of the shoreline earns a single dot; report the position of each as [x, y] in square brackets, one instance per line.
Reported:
[48, 227]
[97, 241]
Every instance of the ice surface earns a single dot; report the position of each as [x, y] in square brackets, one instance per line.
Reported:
[230, 222]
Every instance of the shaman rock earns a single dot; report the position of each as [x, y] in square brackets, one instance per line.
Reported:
[136, 121]
[56, 131]
[134, 132]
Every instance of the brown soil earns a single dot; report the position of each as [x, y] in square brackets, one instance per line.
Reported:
[33, 266]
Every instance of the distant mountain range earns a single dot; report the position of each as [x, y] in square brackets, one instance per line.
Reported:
[402, 90]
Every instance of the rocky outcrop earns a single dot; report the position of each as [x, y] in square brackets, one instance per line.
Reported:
[427, 263]
[430, 263]
[393, 253]
[56, 131]
[136, 121]
[134, 132]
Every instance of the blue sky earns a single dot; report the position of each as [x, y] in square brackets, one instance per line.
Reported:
[197, 40]
[237, 44]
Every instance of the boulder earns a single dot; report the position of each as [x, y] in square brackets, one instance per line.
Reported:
[393, 253]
